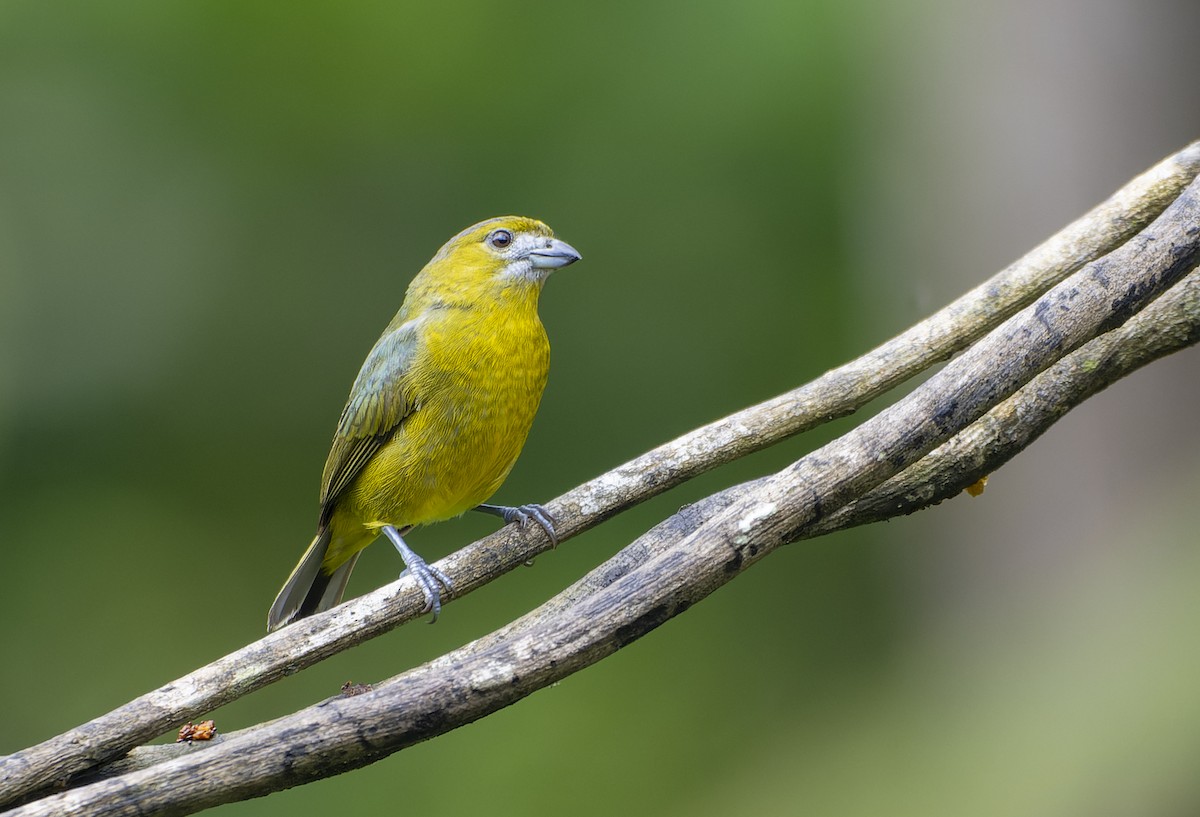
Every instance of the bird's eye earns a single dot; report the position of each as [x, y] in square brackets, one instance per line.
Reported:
[500, 239]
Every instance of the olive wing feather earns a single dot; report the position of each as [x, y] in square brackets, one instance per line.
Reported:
[377, 405]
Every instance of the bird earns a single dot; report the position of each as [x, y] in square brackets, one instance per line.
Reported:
[438, 413]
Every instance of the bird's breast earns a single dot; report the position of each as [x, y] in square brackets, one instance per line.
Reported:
[476, 385]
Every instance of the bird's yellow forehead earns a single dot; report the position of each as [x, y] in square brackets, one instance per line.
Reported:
[518, 224]
[474, 235]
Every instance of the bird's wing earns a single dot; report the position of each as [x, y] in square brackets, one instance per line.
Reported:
[378, 403]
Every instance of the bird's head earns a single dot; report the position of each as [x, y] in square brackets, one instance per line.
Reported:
[505, 253]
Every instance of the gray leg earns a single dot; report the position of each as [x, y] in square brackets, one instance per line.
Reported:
[428, 578]
[524, 515]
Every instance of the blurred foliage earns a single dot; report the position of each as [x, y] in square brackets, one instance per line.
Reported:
[208, 211]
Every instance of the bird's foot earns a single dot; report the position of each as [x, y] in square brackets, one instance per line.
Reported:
[525, 515]
[430, 579]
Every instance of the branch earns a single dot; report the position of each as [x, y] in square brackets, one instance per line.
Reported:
[696, 551]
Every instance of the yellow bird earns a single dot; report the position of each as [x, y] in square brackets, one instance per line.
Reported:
[439, 411]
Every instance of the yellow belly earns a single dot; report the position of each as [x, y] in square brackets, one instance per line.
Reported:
[456, 448]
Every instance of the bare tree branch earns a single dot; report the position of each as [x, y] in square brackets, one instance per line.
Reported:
[689, 555]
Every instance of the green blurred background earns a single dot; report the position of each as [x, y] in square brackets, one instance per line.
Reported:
[208, 211]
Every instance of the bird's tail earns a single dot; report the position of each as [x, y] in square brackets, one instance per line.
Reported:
[309, 589]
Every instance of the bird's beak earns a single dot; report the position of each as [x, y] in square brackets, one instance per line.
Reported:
[555, 255]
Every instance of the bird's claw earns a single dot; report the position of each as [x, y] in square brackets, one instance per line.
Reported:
[525, 515]
[432, 582]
